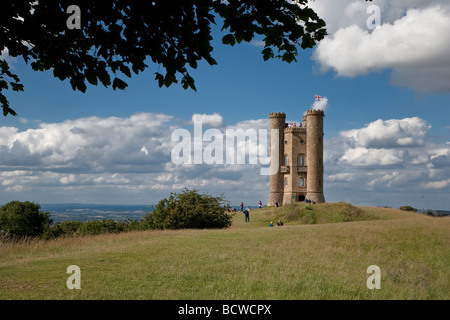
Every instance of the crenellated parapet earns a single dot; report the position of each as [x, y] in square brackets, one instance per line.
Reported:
[318, 112]
[277, 115]
[295, 130]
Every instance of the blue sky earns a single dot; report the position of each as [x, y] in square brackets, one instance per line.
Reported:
[387, 134]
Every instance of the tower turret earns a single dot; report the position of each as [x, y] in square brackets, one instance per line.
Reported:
[277, 125]
[314, 155]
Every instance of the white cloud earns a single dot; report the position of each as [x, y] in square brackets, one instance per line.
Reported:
[121, 160]
[103, 160]
[211, 120]
[388, 162]
[407, 132]
[4, 55]
[89, 144]
[257, 43]
[412, 45]
[321, 104]
[372, 157]
[437, 184]
[340, 177]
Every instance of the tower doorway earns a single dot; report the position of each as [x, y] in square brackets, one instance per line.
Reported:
[301, 198]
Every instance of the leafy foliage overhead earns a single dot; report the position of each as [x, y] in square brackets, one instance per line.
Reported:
[117, 37]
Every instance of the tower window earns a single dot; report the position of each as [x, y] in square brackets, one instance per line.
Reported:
[301, 160]
[286, 160]
[301, 182]
[285, 182]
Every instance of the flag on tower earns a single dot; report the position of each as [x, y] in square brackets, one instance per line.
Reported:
[317, 97]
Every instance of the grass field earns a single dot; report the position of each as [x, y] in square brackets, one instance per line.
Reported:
[321, 252]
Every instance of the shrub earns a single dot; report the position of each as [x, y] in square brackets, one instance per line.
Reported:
[408, 208]
[189, 209]
[101, 226]
[294, 213]
[23, 219]
[348, 212]
[308, 216]
[305, 215]
[71, 228]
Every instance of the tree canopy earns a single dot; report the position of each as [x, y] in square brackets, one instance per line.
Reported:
[22, 219]
[117, 37]
[189, 210]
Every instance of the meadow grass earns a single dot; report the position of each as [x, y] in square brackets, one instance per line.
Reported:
[322, 259]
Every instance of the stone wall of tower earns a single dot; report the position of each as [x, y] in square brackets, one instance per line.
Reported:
[314, 155]
[295, 145]
[277, 124]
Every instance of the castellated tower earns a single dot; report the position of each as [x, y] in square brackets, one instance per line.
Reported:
[314, 155]
[300, 159]
[277, 126]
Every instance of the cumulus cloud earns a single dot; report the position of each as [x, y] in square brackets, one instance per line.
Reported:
[387, 160]
[128, 160]
[4, 55]
[321, 104]
[371, 157]
[211, 120]
[437, 184]
[89, 144]
[386, 143]
[407, 132]
[410, 44]
[123, 160]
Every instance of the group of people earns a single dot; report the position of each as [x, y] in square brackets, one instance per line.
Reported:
[259, 205]
[247, 214]
[310, 201]
[293, 125]
[279, 223]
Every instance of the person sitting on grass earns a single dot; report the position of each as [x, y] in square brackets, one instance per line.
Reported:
[270, 224]
[279, 223]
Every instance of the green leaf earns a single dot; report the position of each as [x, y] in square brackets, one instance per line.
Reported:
[229, 39]
[119, 84]
[90, 77]
[160, 78]
[125, 70]
[17, 86]
[188, 82]
[3, 85]
[267, 54]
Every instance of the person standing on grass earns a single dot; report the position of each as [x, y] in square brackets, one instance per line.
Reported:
[242, 206]
[260, 204]
[247, 214]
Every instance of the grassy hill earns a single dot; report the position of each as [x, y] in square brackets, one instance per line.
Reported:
[321, 252]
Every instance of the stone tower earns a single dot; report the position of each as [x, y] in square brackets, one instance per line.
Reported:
[277, 126]
[298, 173]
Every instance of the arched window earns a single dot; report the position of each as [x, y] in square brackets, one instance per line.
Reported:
[301, 182]
[286, 182]
[301, 160]
[286, 160]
